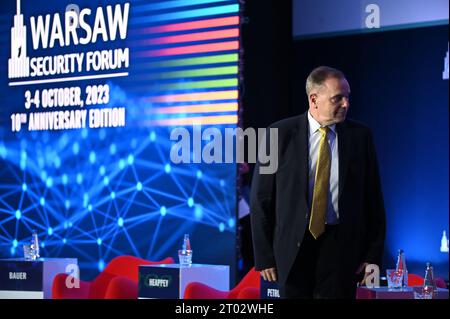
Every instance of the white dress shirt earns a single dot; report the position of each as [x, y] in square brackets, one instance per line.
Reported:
[313, 145]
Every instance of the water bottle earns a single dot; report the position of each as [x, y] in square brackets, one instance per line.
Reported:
[185, 254]
[34, 246]
[444, 242]
[401, 268]
[429, 285]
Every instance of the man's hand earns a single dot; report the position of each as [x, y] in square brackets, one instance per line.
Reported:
[361, 268]
[269, 274]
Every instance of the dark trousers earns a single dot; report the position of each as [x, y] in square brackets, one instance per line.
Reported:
[316, 272]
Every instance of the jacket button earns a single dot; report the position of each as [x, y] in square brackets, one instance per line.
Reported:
[306, 216]
[298, 244]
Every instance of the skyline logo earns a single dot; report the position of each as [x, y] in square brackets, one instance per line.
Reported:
[59, 30]
[19, 63]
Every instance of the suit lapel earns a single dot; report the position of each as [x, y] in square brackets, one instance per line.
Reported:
[303, 153]
[344, 144]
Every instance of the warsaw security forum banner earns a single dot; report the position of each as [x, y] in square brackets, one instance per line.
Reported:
[89, 92]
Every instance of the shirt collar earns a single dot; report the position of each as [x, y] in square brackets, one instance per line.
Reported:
[314, 125]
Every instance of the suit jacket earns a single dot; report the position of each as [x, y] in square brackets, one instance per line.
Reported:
[279, 202]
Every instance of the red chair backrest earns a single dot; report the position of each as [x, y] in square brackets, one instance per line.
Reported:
[415, 280]
[249, 293]
[197, 290]
[128, 266]
[251, 279]
[440, 283]
[125, 266]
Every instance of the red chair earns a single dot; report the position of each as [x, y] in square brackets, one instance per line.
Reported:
[415, 280]
[119, 280]
[248, 288]
[440, 283]
[249, 293]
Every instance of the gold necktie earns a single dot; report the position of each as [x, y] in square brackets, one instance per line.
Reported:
[321, 184]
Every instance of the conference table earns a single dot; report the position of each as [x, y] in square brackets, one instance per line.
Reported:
[27, 279]
[168, 281]
[390, 293]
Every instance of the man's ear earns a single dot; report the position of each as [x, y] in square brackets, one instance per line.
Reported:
[313, 97]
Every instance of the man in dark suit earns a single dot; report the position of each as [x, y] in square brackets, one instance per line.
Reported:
[320, 219]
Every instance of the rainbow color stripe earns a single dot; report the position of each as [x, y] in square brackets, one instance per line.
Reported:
[187, 61]
[199, 36]
[194, 25]
[197, 120]
[184, 14]
[198, 108]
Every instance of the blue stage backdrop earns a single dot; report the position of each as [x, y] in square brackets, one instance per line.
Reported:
[89, 93]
